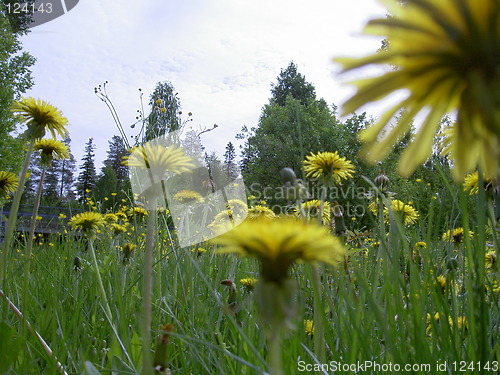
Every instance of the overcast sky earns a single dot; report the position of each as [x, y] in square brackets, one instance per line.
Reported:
[220, 55]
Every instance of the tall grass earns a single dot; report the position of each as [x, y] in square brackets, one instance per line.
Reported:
[380, 313]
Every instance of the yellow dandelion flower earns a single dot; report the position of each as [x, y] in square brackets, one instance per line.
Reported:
[39, 117]
[374, 207]
[441, 282]
[111, 218]
[278, 243]
[62, 216]
[8, 183]
[50, 149]
[456, 235]
[121, 215]
[471, 183]
[113, 194]
[198, 251]
[118, 229]
[446, 54]
[88, 222]
[421, 245]
[248, 282]
[490, 259]
[309, 327]
[188, 196]
[258, 210]
[138, 211]
[406, 211]
[127, 251]
[328, 168]
[311, 209]
[462, 322]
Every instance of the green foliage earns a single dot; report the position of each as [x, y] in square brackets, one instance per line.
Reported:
[114, 177]
[286, 134]
[15, 79]
[87, 177]
[164, 116]
[292, 83]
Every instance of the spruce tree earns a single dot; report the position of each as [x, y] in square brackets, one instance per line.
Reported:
[230, 167]
[87, 177]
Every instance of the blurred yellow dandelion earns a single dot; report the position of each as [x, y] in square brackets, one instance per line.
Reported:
[278, 243]
[188, 196]
[446, 58]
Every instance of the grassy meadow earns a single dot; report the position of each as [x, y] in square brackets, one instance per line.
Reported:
[403, 296]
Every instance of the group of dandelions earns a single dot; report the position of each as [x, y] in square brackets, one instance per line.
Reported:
[444, 53]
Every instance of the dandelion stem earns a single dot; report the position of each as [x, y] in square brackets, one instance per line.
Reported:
[147, 367]
[275, 364]
[319, 339]
[29, 246]
[11, 225]
[102, 291]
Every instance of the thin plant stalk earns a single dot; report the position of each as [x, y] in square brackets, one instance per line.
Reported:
[319, 337]
[29, 245]
[14, 208]
[275, 361]
[147, 300]
[102, 291]
[46, 348]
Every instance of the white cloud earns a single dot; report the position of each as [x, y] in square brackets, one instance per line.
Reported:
[221, 56]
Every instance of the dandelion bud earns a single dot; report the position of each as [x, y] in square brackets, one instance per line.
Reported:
[382, 181]
[288, 175]
[339, 219]
[77, 262]
[160, 361]
[452, 264]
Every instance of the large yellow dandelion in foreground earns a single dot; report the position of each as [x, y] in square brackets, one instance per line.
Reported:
[328, 168]
[447, 59]
[39, 117]
[278, 243]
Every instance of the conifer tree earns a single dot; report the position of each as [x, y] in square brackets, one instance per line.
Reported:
[87, 177]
